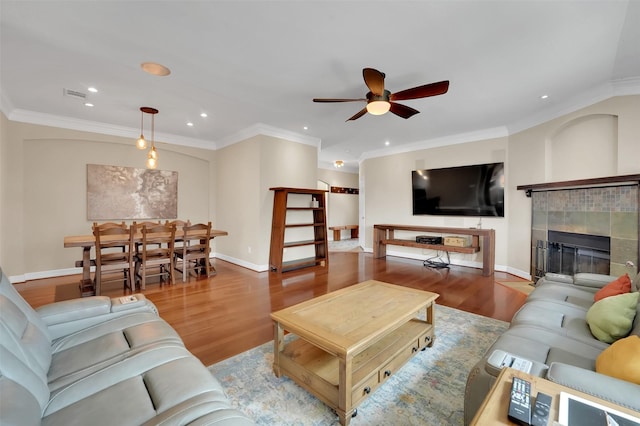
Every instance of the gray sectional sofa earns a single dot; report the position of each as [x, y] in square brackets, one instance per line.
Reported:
[551, 330]
[101, 361]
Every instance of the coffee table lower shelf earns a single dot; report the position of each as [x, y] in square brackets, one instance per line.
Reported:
[319, 371]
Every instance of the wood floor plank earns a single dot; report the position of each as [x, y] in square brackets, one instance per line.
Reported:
[228, 314]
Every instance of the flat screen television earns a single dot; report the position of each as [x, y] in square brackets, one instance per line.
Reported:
[476, 190]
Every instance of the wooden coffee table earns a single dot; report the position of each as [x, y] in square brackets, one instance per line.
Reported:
[352, 340]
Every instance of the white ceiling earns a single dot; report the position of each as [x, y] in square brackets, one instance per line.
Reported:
[258, 64]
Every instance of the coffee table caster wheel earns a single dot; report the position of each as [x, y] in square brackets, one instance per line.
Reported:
[355, 413]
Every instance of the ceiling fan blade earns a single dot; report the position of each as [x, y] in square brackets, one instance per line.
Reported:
[360, 113]
[403, 110]
[337, 100]
[425, 91]
[374, 80]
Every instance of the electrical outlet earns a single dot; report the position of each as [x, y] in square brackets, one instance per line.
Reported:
[249, 249]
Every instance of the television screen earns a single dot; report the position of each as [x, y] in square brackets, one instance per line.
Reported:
[476, 190]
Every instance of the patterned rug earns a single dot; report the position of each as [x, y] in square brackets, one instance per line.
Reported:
[428, 390]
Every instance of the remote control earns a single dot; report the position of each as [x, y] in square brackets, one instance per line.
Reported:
[540, 415]
[520, 403]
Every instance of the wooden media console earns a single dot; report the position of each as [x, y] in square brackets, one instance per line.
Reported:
[383, 235]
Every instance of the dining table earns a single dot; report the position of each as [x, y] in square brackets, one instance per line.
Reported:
[88, 241]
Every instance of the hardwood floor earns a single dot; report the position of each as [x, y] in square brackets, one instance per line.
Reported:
[229, 313]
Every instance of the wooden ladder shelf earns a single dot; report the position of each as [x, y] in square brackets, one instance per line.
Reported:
[304, 212]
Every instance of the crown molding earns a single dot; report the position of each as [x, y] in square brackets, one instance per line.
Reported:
[266, 130]
[622, 87]
[43, 119]
[5, 103]
[496, 132]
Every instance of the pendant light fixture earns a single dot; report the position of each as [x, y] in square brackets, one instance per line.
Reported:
[141, 143]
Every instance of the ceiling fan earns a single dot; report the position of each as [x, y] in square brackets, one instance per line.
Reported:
[379, 100]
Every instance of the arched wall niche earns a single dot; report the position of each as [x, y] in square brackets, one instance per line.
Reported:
[584, 147]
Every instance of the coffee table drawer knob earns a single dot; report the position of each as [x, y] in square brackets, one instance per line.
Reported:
[367, 390]
[387, 373]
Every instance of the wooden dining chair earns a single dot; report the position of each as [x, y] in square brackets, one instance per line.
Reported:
[139, 226]
[178, 223]
[114, 252]
[155, 253]
[193, 255]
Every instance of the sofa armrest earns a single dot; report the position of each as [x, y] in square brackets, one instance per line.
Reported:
[74, 310]
[608, 388]
[69, 316]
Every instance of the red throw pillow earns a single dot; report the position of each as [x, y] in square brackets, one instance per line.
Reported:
[620, 286]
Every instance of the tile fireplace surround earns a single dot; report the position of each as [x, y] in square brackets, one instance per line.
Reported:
[605, 211]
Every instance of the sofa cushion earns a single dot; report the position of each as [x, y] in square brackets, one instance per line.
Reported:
[612, 317]
[578, 296]
[621, 360]
[562, 318]
[619, 286]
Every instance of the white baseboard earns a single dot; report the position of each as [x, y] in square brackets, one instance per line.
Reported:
[244, 264]
[457, 262]
[518, 273]
[29, 276]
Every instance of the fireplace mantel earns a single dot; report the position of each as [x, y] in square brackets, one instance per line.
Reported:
[581, 183]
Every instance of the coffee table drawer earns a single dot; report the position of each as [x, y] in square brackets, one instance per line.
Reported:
[426, 340]
[364, 390]
[398, 361]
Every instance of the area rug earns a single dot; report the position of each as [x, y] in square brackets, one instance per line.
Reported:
[525, 287]
[352, 244]
[428, 390]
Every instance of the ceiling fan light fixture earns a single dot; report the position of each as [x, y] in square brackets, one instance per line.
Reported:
[378, 107]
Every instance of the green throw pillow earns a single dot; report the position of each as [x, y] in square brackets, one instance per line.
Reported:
[612, 317]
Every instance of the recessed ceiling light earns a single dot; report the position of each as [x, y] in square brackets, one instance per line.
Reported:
[544, 96]
[155, 69]
[306, 128]
[387, 143]
[88, 104]
[203, 115]
[92, 90]
[190, 124]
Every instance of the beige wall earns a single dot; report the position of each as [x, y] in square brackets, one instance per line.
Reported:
[342, 209]
[388, 194]
[532, 154]
[608, 130]
[247, 170]
[43, 184]
[44, 191]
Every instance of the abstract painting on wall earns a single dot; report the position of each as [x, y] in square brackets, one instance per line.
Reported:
[117, 193]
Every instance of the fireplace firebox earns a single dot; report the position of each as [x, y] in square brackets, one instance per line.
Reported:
[570, 253]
